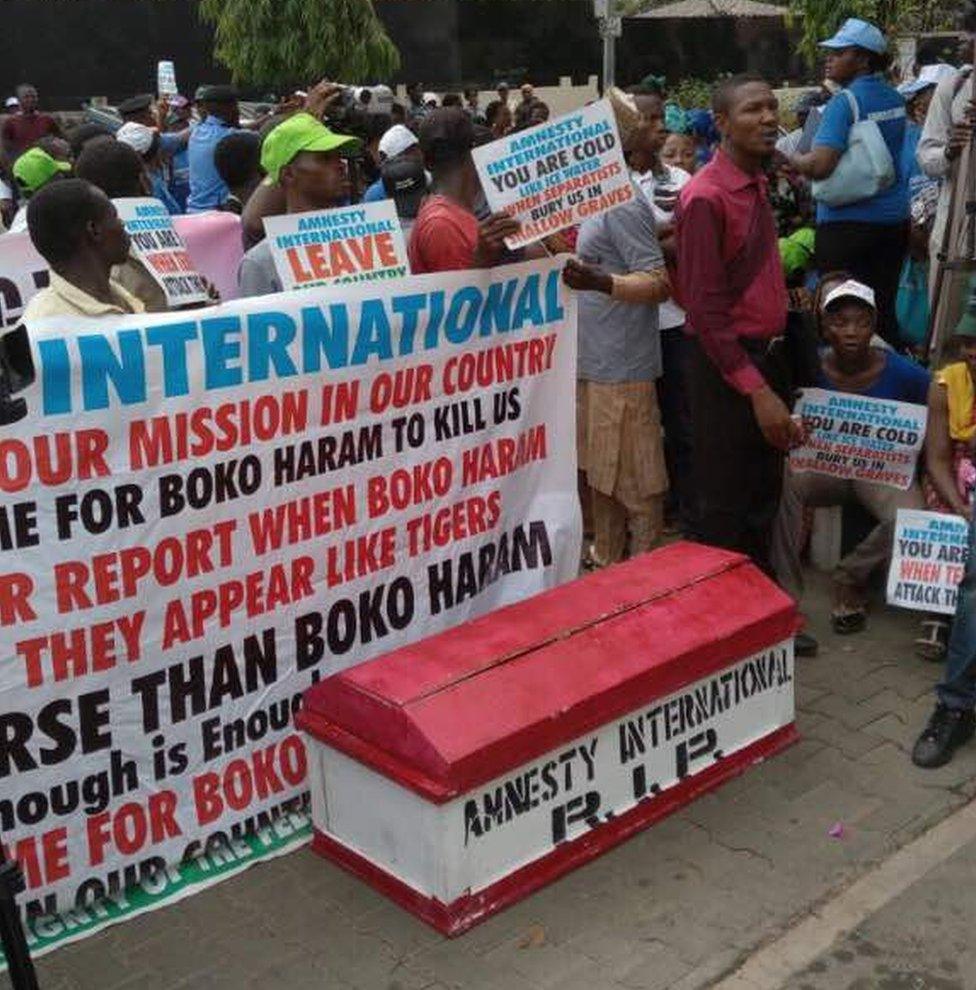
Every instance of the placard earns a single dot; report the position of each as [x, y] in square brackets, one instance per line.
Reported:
[557, 174]
[928, 560]
[858, 437]
[166, 79]
[160, 248]
[205, 512]
[361, 243]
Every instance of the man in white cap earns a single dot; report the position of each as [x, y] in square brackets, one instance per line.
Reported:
[399, 142]
[852, 365]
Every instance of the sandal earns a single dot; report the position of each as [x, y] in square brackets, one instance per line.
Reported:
[850, 612]
[846, 621]
[934, 641]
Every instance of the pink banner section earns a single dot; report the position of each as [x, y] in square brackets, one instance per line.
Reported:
[213, 241]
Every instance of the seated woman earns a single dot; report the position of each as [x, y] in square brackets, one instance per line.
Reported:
[851, 363]
[950, 476]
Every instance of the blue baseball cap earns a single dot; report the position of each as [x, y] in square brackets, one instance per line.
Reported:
[855, 33]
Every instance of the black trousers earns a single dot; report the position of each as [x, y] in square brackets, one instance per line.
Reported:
[738, 477]
[672, 397]
[873, 253]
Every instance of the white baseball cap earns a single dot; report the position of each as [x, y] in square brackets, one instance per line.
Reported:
[137, 136]
[396, 141]
[928, 75]
[429, 98]
[850, 290]
[12, 102]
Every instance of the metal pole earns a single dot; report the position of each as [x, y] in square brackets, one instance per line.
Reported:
[609, 51]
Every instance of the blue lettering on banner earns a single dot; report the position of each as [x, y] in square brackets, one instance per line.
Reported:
[259, 346]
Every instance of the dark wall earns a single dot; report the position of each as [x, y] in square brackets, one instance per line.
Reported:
[706, 48]
[72, 49]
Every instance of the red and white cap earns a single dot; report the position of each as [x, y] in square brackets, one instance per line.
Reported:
[850, 290]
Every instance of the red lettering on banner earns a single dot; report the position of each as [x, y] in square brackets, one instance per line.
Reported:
[53, 459]
[264, 773]
[364, 555]
[920, 570]
[302, 519]
[470, 517]
[111, 577]
[43, 865]
[77, 652]
[15, 592]
[315, 262]
[131, 827]
[255, 594]
[405, 387]
[409, 486]
[500, 457]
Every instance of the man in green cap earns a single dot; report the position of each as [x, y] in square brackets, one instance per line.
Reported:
[50, 159]
[304, 158]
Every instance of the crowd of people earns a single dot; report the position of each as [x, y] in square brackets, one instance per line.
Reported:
[753, 262]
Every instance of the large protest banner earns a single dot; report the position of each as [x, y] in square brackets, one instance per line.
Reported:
[206, 512]
[858, 437]
[557, 174]
[213, 241]
[361, 243]
[928, 560]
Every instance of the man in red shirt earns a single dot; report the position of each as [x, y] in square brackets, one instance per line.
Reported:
[447, 236]
[24, 129]
[732, 286]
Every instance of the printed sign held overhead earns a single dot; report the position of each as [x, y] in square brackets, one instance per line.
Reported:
[556, 175]
[361, 243]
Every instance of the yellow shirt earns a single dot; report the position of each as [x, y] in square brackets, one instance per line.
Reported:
[63, 298]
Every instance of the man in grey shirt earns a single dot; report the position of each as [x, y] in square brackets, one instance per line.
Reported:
[305, 158]
[622, 279]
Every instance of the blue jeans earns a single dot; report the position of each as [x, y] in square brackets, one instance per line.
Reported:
[958, 687]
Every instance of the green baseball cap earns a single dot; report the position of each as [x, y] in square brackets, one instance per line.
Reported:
[966, 327]
[301, 132]
[36, 168]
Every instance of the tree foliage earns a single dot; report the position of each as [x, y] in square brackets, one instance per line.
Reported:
[275, 42]
[818, 19]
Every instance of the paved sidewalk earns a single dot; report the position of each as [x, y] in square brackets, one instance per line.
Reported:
[678, 906]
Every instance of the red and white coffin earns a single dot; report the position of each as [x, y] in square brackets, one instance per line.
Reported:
[461, 773]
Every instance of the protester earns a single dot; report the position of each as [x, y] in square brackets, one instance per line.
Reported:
[237, 159]
[947, 130]
[953, 722]
[451, 100]
[304, 158]
[35, 168]
[732, 286]
[84, 133]
[75, 228]
[416, 110]
[179, 120]
[869, 236]
[430, 101]
[503, 91]
[498, 118]
[471, 99]
[119, 171]
[538, 113]
[951, 430]
[523, 109]
[789, 144]
[398, 142]
[621, 277]
[661, 183]
[11, 104]
[220, 116]
[678, 151]
[398, 114]
[145, 141]
[25, 128]
[851, 364]
[447, 235]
